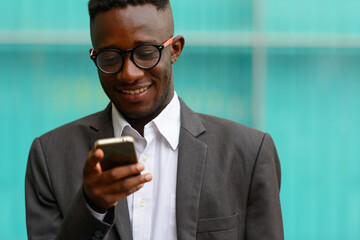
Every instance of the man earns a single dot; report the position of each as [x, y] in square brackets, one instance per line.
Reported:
[201, 177]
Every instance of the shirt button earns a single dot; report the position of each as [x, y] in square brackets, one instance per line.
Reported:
[99, 234]
[145, 158]
[142, 203]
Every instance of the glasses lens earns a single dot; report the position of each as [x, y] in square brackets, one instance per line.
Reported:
[109, 61]
[146, 56]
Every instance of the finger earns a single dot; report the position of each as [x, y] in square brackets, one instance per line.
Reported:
[110, 200]
[125, 194]
[92, 162]
[118, 173]
[126, 186]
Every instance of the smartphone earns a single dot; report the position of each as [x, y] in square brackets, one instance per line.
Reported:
[117, 151]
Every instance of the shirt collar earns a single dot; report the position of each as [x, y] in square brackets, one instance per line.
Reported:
[167, 122]
[119, 122]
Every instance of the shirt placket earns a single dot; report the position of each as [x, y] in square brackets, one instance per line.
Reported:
[142, 201]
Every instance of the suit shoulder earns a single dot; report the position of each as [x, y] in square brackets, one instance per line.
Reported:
[74, 128]
[228, 127]
[231, 134]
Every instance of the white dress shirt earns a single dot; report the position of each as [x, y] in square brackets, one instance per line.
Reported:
[152, 208]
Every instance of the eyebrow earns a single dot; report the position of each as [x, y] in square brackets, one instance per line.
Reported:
[137, 43]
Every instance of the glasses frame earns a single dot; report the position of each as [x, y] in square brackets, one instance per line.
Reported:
[122, 53]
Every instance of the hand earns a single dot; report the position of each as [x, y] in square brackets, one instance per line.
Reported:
[104, 189]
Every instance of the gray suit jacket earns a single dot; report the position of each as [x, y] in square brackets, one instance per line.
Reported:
[228, 182]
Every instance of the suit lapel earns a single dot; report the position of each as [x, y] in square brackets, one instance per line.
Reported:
[103, 127]
[122, 220]
[191, 163]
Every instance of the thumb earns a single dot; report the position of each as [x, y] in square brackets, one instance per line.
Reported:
[92, 164]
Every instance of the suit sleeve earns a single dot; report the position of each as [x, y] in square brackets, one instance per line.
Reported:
[44, 218]
[264, 218]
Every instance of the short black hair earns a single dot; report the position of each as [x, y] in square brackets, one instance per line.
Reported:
[97, 6]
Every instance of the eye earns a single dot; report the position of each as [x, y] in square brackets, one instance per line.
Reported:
[108, 58]
[109, 61]
[144, 53]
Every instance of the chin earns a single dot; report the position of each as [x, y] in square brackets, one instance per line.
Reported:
[138, 114]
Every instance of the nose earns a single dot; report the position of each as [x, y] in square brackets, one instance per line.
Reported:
[129, 72]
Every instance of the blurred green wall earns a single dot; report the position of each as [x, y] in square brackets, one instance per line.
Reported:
[288, 67]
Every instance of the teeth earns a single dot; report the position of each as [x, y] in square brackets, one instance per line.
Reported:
[132, 92]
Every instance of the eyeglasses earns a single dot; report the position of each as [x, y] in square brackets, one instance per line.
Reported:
[144, 56]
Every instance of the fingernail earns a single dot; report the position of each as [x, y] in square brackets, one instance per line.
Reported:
[148, 177]
[139, 167]
[97, 153]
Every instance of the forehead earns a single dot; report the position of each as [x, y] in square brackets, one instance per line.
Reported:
[124, 27]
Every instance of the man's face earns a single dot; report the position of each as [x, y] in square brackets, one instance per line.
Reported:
[137, 93]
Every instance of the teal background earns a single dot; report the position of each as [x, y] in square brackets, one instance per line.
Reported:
[306, 95]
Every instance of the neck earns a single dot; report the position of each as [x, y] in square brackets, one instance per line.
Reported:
[139, 123]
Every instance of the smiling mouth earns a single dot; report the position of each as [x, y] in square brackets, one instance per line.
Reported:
[136, 91]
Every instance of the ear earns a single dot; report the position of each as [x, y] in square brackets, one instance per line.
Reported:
[177, 47]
